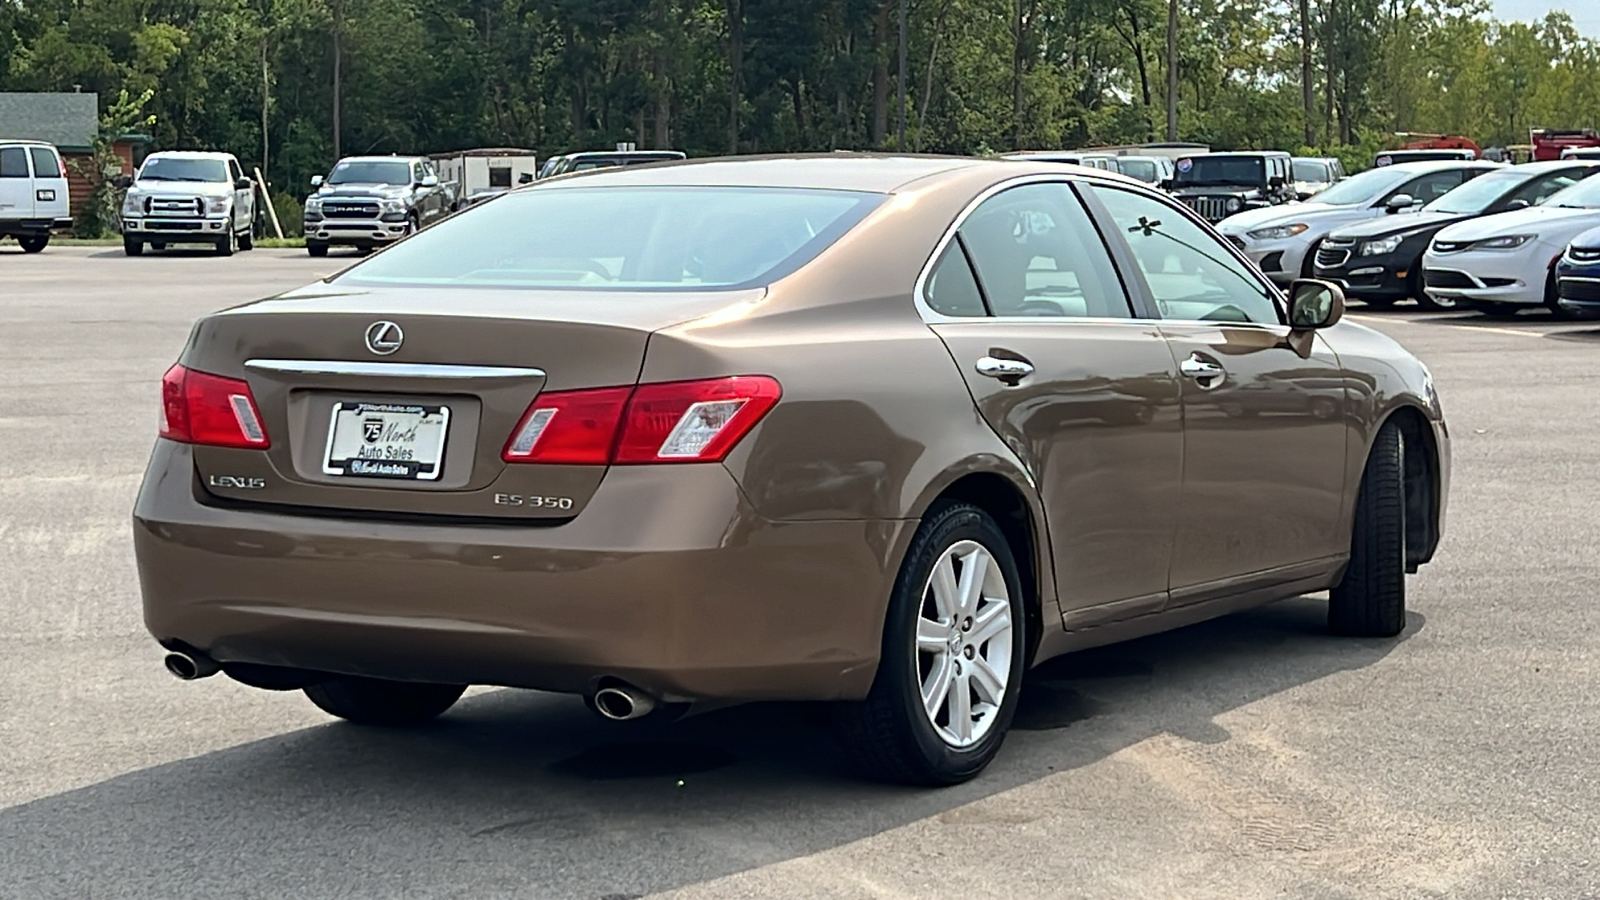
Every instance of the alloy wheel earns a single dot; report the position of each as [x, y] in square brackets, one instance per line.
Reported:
[964, 635]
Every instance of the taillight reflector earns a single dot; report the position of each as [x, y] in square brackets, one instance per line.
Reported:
[683, 421]
[200, 408]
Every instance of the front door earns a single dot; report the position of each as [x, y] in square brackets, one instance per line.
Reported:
[1265, 430]
[1027, 301]
[16, 186]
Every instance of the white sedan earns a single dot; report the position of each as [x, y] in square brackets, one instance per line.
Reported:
[1505, 263]
[1282, 240]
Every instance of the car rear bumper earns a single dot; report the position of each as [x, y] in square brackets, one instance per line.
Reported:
[668, 580]
[31, 227]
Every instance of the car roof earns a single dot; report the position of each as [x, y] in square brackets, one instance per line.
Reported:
[1241, 153]
[1549, 165]
[191, 154]
[1424, 166]
[868, 172]
[382, 158]
[15, 142]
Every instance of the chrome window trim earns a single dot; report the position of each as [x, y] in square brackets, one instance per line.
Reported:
[934, 317]
[388, 369]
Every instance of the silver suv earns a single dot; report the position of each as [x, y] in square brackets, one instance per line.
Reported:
[186, 197]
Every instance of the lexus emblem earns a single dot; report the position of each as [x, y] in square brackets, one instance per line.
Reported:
[384, 338]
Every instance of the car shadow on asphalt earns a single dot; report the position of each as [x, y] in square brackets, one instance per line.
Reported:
[519, 793]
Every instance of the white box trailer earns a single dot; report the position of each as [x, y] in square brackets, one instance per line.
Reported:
[486, 171]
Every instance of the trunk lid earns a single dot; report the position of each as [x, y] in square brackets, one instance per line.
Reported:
[467, 365]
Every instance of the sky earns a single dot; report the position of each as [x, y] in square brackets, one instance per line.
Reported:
[1585, 13]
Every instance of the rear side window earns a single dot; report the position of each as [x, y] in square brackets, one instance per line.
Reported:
[952, 290]
[624, 238]
[44, 163]
[13, 162]
[1037, 253]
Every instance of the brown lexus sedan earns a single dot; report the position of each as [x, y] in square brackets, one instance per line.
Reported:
[886, 431]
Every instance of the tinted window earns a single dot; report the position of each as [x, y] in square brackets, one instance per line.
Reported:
[1544, 187]
[624, 238]
[1037, 253]
[13, 162]
[499, 176]
[1430, 187]
[951, 288]
[1190, 273]
[1221, 170]
[45, 164]
[234, 172]
[1311, 170]
[1142, 169]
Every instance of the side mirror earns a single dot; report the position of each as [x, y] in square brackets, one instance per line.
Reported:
[1275, 182]
[1314, 304]
[1165, 184]
[122, 182]
[525, 178]
[244, 184]
[316, 181]
[1399, 202]
[1518, 203]
[429, 181]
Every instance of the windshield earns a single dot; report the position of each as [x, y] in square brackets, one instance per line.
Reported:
[1363, 188]
[1583, 195]
[376, 172]
[1142, 169]
[1476, 195]
[181, 168]
[623, 238]
[1219, 170]
[1311, 170]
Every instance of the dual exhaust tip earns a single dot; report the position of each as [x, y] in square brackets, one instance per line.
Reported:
[617, 702]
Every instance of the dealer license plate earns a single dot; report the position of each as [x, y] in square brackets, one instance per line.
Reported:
[387, 440]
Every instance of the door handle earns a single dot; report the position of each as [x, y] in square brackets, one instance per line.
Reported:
[1010, 371]
[1206, 373]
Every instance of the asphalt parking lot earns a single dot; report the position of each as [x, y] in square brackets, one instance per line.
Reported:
[1249, 757]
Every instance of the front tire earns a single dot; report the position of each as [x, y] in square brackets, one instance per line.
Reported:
[228, 242]
[371, 701]
[1370, 600]
[34, 243]
[315, 249]
[132, 246]
[247, 241]
[954, 651]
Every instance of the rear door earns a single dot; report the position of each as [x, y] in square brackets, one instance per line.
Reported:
[16, 184]
[1265, 426]
[50, 193]
[1029, 305]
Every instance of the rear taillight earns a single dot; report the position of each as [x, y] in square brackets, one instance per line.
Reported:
[676, 422]
[198, 408]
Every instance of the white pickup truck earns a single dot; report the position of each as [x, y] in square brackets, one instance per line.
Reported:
[33, 193]
[189, 197]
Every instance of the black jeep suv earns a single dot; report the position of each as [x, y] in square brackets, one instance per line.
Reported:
[1217, 185]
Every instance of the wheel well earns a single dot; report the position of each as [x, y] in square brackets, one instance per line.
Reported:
[1005, 504]
[1421, 485]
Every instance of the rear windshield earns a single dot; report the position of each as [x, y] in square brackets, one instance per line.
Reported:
[1312, 170]
[623, 238]
[1221, 170]
[1142, 169]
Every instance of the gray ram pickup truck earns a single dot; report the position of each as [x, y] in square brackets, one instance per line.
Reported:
[370, 201]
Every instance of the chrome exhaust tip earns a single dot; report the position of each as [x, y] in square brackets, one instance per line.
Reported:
[187, 667]
[620, 703]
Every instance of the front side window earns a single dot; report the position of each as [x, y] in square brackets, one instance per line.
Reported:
[1430, 187]
[180, 168]
[1191, 274]
[1037, 253]
[234, 172]
[1544, 187]
[45, 164]
[13, 162]
[629, 238]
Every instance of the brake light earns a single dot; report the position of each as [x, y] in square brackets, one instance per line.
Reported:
[570, 427]
[683, 421]
[200, 408]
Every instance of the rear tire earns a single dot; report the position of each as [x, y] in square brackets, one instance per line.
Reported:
[132, 247]
[371, 701]
[316, 249]
[958, 650]
[34, 243]
[1370, 600]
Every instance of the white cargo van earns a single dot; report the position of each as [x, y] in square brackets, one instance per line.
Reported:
[33, 193]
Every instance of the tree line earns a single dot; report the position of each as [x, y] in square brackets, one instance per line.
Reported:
[292, 84]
